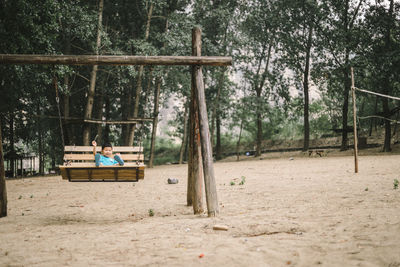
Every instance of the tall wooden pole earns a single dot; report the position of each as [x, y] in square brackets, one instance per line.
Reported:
[3, 191]
[206, 148]
[195, 180]
[353, 93]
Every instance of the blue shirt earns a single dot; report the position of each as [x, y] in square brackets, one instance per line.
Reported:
[106, 161]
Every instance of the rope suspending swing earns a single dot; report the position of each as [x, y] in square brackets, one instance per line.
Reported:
[79, 164]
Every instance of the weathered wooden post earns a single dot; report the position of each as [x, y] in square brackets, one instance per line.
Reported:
[353, 93]
[3, 191]
[195, 171]
[206, 149]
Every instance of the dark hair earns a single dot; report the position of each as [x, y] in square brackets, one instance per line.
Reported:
[106, 145]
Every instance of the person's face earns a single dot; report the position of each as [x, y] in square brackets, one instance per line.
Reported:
[107, 151]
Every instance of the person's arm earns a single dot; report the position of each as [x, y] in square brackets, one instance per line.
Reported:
[94, 144]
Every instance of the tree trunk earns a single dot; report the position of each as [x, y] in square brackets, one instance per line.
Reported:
[259, 130]
[91, 92]
[100, 112]
[238, 142]
[70, 139]
[68, 127]
[12, 146]
[259, 88]
[107, 107]
[386, 83]
[139, 80]
[216, 117]
[306, 91]
[396, 124]
[346, 76]
[156, 109]
[218, 152]
[184, 138]
[388, 130]
[126, 113]
[3, 189]
[345, 108]
[155, 122]
[373, 120]
[40, 143]
[216, 105]
[148, 92]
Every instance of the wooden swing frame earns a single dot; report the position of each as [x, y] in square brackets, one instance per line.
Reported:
[199, 166]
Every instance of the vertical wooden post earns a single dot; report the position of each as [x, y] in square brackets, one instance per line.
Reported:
[353, 93]
[195, 168]
[3, 191]
[206, 149]
[195, 188]
[190, 190]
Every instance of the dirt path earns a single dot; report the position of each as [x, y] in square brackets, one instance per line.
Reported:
[299, 212]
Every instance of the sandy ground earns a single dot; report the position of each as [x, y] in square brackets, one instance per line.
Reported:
[289, 212]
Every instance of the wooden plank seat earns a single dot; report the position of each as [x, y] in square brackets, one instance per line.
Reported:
[79, 165]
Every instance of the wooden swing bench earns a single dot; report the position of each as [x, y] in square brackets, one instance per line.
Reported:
[79, 165]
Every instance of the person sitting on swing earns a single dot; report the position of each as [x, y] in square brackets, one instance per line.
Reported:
[106, 158]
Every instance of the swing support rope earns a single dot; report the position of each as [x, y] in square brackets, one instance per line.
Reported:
[55, 82]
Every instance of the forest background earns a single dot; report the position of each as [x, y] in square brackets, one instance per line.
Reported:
[290, 78]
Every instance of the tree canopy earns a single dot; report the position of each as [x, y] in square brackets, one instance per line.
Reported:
[290, 78]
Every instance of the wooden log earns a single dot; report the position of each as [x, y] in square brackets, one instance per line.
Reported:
[197, 164]
[190, 188]
[113, 60]
[3, 191]
[96, 121]
[206, 149]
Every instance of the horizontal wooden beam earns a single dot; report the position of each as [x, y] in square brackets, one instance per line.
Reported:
[89, 149]
[113, 60]
[80, 120]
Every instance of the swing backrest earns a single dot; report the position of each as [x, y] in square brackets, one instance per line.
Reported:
[82, 156]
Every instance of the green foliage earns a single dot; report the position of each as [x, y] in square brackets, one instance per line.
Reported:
[395, 184]
[151, 212]
[167, 151]
[260, 96]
